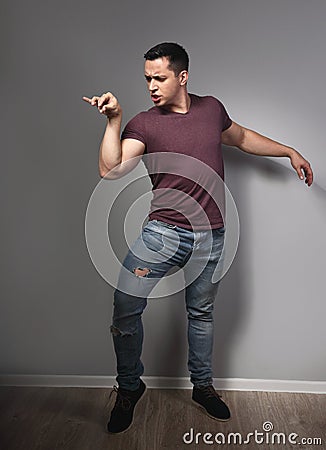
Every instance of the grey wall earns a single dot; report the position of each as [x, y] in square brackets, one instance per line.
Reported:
[265, 61]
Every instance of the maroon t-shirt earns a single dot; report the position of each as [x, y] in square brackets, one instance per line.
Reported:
[186, 192]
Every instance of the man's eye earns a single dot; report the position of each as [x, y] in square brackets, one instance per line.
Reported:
[149, 79]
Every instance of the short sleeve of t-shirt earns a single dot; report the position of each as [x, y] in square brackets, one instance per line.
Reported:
[226, 121]
[135, 129]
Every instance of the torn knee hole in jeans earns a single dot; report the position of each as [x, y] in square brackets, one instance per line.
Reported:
[116, 332]
[141, 272]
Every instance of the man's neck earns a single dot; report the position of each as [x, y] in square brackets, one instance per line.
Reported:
[181, 105]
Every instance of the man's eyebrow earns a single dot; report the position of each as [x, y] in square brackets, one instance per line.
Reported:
[155, 76]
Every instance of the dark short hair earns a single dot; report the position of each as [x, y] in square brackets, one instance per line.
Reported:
[177, 55]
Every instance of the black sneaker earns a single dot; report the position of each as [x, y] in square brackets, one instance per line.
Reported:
[122, 413]
[209, 399]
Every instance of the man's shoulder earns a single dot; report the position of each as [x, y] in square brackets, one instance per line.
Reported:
[143, 115]
[213, 108]
[209, 99]
[137, 126]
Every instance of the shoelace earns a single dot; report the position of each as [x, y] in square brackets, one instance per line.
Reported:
[122, 401]
[210, 392]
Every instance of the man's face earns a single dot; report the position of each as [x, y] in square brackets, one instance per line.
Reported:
[163, 85]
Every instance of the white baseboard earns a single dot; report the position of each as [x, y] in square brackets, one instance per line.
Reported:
[225, 384]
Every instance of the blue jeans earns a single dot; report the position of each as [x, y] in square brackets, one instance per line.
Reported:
[160, 247]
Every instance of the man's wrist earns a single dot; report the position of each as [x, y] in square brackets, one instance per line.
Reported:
[114, 120]
[291, 152]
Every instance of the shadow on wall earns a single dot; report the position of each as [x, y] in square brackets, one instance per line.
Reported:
[233, 304]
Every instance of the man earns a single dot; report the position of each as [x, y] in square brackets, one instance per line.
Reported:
[195, 127]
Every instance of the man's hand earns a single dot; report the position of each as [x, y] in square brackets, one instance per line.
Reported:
[302, 167]
[106, 104]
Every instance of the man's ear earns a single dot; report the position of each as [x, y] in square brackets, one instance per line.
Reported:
[183, 77]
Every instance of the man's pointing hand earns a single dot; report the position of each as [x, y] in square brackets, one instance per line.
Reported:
[106, 104]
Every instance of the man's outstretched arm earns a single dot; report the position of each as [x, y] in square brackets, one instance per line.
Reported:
[251, 142]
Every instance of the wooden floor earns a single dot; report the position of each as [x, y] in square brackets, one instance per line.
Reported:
[42, 418]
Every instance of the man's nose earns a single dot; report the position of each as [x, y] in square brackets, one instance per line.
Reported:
[152, 86]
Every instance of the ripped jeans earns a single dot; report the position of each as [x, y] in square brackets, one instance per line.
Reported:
[160, 247]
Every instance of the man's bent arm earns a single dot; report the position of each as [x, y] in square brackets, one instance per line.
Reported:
[110, 154]
[252, 142]
[113, 152]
